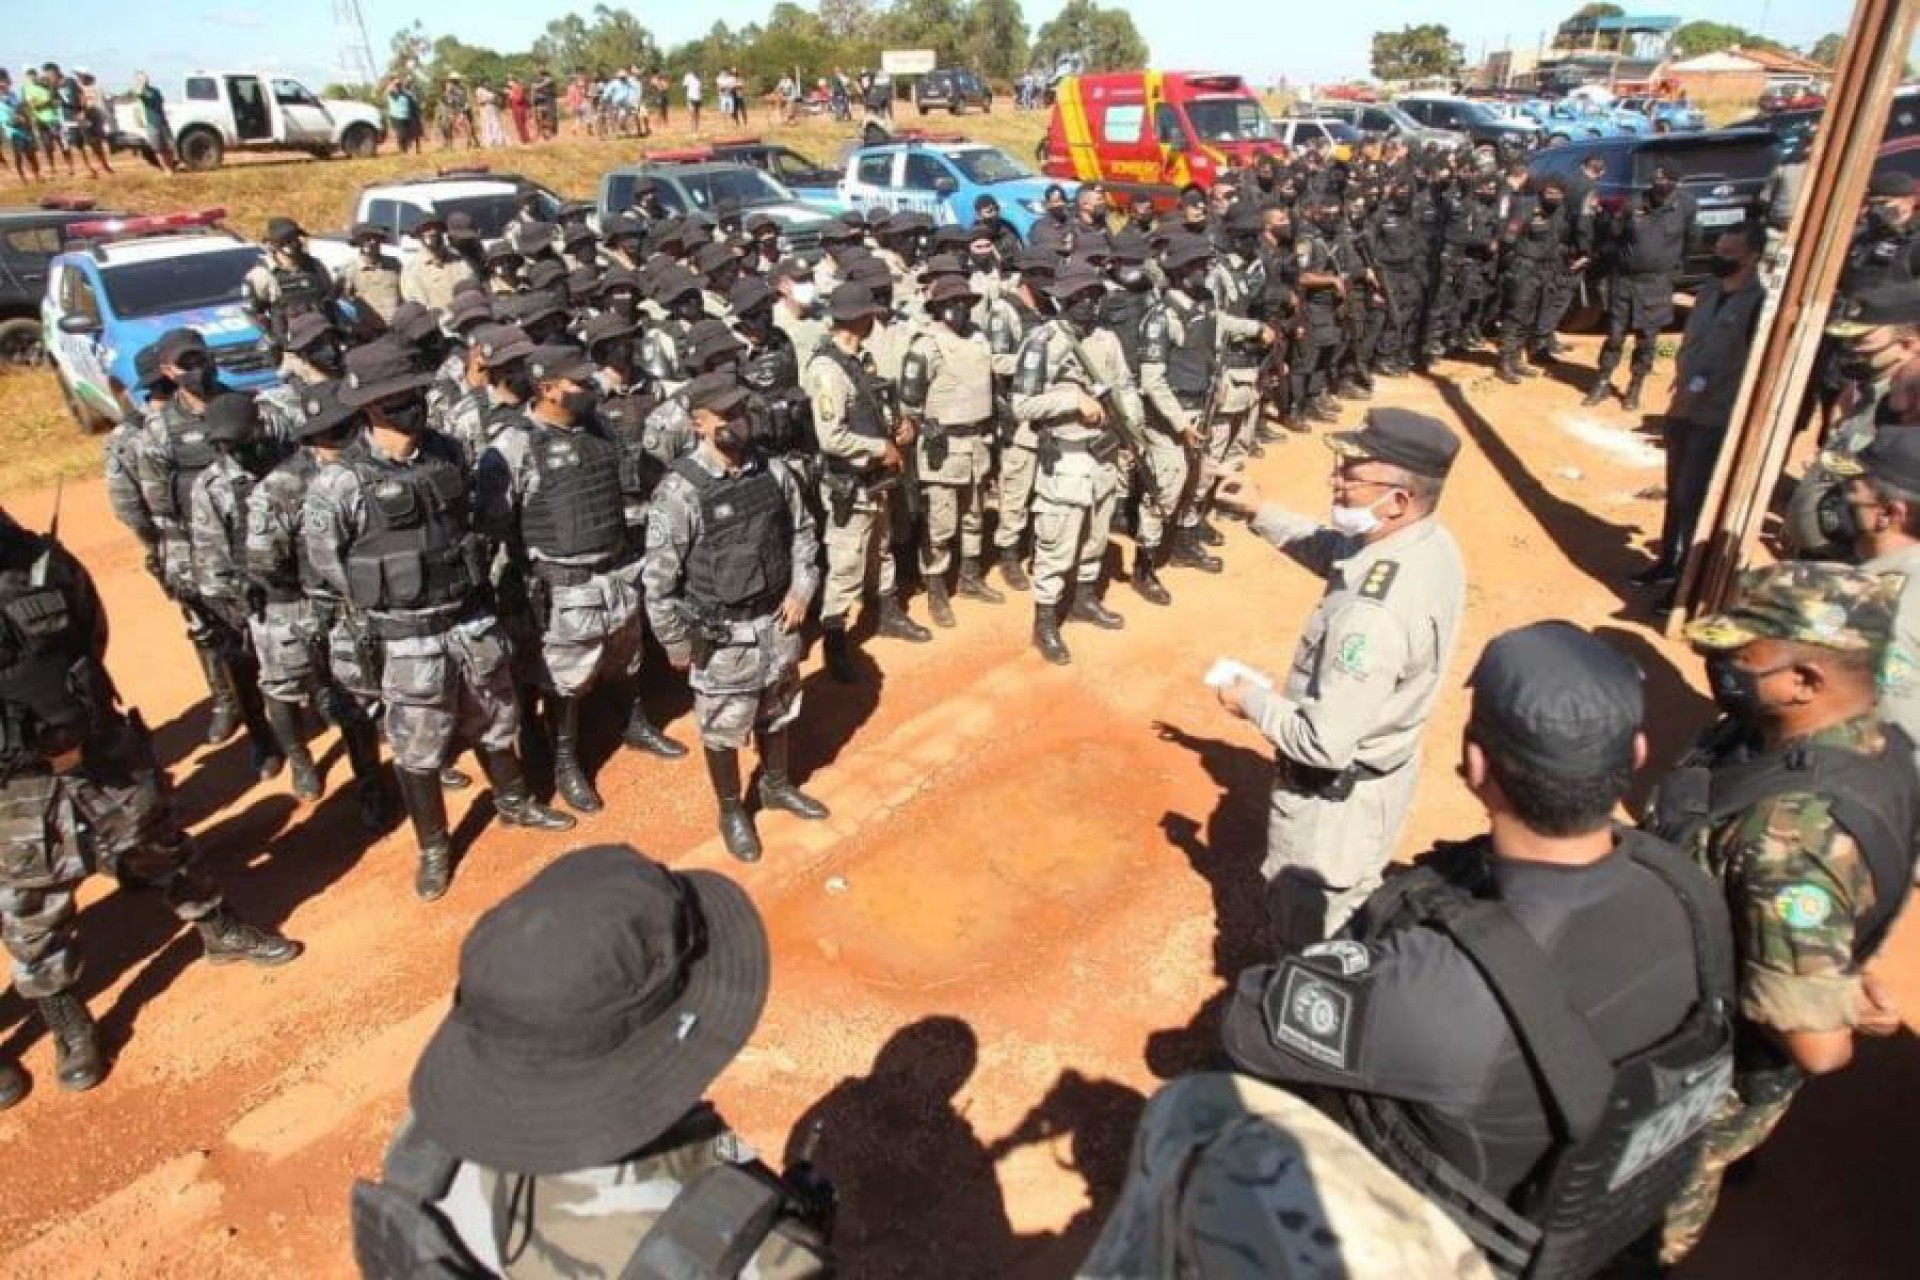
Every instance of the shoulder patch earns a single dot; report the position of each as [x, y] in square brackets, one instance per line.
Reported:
[1379, 580]
[1803, 906]
[1352, 958]
[1314, 1014]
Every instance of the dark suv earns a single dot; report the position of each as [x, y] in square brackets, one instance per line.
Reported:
[29, 237]
[1481, 123]
[952, 88]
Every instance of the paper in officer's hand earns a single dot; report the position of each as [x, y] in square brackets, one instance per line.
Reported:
[1225, 671]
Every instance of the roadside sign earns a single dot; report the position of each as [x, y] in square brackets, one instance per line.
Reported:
[908, 62]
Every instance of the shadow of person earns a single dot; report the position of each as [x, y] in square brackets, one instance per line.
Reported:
[832, 713]
[1227, 855]
[1676, 711]
[917, 1188]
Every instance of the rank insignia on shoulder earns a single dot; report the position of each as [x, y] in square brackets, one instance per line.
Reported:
[1379, 580]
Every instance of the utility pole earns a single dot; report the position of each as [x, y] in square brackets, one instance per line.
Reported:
[355, 51]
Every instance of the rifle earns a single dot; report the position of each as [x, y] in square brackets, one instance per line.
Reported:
[1367, 260]
[1117, 419]
[887, 400]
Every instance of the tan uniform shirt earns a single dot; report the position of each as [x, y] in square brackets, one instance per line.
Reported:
[433, 284]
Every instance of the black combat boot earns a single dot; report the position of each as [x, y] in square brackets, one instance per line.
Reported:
[973, 585]
[1527, 366]
[1086, 607]
[77, 1061]
[13, 1084]
[512, 799]
[896, 625]
[939, 606]
[641, 734]
[1145, 581]
[838, 649]
[226, 716]
[283, 718]
[1602, 387]
[776, 784]
[569, 777]
[229, 939]
[363, 754]
[1009, 562]
[1631, 401]
[263, 746]
[1207, 534]
[736, 824]
[1509, 369]
[426, 805]
[1046, 635]
[1187, 553]
[1322, 409]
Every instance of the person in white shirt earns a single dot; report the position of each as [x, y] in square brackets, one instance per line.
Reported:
[691, 84]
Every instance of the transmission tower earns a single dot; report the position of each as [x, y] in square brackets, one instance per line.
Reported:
[355, 51]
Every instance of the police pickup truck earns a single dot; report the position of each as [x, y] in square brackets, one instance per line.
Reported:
[122, 282]
[30, 236]
[687, 182]
[490, 199]
[937, 174]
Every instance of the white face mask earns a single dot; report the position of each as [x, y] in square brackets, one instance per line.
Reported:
[803, 295]
[1355, 522]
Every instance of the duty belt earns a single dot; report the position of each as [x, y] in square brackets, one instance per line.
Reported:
[555, 574]
[1326, 784]
[747, 610]
[982, 427]
[391, 627]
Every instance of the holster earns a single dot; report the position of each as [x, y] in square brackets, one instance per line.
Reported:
[1317, 784]
[840, 489]
[938, 448]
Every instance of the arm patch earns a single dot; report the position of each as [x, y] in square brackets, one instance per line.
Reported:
[1379, 580]
[1314, 1007]
[1031, 377]
[1153, 337]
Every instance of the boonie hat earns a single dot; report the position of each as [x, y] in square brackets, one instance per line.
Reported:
[380, 369]
[717, 392]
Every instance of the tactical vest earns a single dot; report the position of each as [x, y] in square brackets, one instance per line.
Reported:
[1626, 1134]
[780, 415]
[576, 510]
[1190, 365]
[413, 552]
[1876, 799]
[1122, 311]
[863, 411]
[287, 578]
[1398, 239]
[742, 563]
[1656, 239]
[623, 420]
[189, 452]
[663, 352]
[1880, 260]
[300, 290]
[52, 686]
[1542, 235]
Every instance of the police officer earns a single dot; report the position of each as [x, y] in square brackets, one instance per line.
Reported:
[461, 378]
[1537, 236]
[770, 367]
[497, 356]
[435, 272]
[1053, 230]
[1401, 253]
[1648, 244]
[1803, 804]
[80, 791]
[861, 462]
[1346, 725]
[1072, 375]
[731, 569]
[372, 280]
[1019, 308]
[1887, 248]
[626, 398]
[313, 354]
[1877, 511]
[840, 243]
[550, 492]
[1323, 293]
[667, 344]
[390, 531]
[1499, 1023]
[796, 307]
[946, 390]
[576, 1064]
[289, 281]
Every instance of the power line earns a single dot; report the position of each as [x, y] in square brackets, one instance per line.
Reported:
[355, 50]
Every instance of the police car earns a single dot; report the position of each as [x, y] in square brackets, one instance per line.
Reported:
[937, 174]
[125, 281]
[491, 199]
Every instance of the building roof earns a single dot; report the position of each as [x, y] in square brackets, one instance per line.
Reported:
[1736, 58]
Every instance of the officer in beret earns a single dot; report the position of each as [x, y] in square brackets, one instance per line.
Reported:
[731, 569]
[1346, 724]
[1424, 1022]
[1803, 804]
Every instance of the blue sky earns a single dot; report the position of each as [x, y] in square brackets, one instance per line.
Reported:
[168, 37]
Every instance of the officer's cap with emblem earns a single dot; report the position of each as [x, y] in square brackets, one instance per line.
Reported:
[1891, 457]
[595, 1006]
[232, 418]
[501, 344]
[551, 361]
[1557, 698]
[606, 327]
[1828, 606]
[379, 370]
[709, 338]
[1877, 308]
[1411, 441]
[1076, 280]
[306, 329]
[748, 293]
[321, 411]
[717, 392]
[852, 302]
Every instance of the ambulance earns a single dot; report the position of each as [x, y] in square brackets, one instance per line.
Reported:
[1154, 131]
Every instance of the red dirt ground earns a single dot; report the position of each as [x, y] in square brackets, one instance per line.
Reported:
[1019, 919]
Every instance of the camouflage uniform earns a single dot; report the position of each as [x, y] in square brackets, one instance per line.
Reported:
[1231, 1178]
[305, 643]
[751, 680]
[1235, 284]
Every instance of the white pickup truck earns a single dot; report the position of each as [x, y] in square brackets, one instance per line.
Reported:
[222, 111]
[490, 199]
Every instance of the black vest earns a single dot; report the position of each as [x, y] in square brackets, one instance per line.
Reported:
[576, 510]
[863, 412]
[53, 690]
[742, 563]
[189, 452]
[1122, 311]
[413, 552]
[1190, 365]
[1627, 1133]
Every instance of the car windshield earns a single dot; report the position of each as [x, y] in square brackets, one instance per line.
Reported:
[1341, 131]
[185, 283]
[1396, 117]
[988, 165]
[492, 213]
[749, 187]
[1228, 119]
[1477, 113]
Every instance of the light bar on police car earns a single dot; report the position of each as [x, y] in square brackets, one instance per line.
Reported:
[146, 225]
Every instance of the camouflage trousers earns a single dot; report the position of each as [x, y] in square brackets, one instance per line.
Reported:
[851, 549]
[593, 632]
[112, 813]
[286, 637]
[1229, 438]
[749, 682]
[1159, 501]
[1019, 465]
[1324, 857]
[1069, 540]
[449, 689]
[1735, 1131]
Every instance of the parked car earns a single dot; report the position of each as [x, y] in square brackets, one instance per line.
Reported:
[951, 89]
[1792, 97]
[489, 198]
[29, 238]
[701, 186]
[222, 111]
[1385, 120]
[1298, 134]
[122, 282]
[938, 175]
[1571, 119]
[784, 163]
[1724, 172]
[1153, 132]
[1479, 121]
[1667, 116]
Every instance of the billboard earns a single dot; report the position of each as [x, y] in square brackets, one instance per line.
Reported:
[908, 62]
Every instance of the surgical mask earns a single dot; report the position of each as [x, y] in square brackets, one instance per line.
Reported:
[1736, 690]
[804, 294]
[1355, 522]
[1723, 267]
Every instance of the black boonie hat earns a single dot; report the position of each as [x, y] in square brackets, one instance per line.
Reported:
[380, 369]
[1040, 263]
[1419, 443]
[533, 237]
[717, 392]
[1074, 281]
[838, 232]
[306, 329]
[1890, 185]
[470, 307]
[1186, 251]
[712, 257]
[321, 411]
[941, 264]
[604, 328]
[369, 231]
[501, 344]
[282, 231]
[851, 302]
[711, 337]
[174, 343]
[547, 273]
[748, 292]
[413, 323]
[870, 271]
[596, 1005]
[232, 418]
[1558, 698]
[552, 360]
[953, 236]
[951, 289]
[761, 222]
[674, 283]
[626, 225]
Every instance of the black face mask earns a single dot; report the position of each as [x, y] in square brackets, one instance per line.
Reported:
[197, 380]
[1659, 192]
[624, 305]
[578, 404]
[1838, 519]
[731, 436]
[1855, 365]
[519, 385]
[1058, 212]
[1883, 219]
[690, 309]
[1736, 690]
[409, 416]
[985, 262]
[769, 249]
[1082, 312]
[958, 317]
[327, 358]
[1549, 204]
[1194, 283]
[1723, 267]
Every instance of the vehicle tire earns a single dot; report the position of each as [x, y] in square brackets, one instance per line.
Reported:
[1558, 140]
[89, 422]
[21, 344]
[200, 149]
[359, 142]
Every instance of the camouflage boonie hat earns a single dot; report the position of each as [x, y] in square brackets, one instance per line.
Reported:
[1233, 1179]
[1828, 605]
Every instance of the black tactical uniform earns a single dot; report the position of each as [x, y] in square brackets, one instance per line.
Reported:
[1401, 252]
[1321, 334]
[1648, 245]
[1537, 236]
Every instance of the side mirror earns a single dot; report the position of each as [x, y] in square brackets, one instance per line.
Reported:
[79, 325]
[945, 186]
